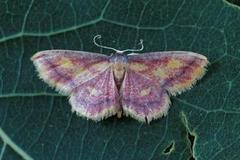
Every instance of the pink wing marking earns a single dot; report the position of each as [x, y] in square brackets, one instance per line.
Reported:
[142, 98]
[151, 76]
[176, 71]
[97, 98]
[86, 77]
[65, 69]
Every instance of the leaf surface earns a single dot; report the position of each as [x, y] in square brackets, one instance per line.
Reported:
[37, 123]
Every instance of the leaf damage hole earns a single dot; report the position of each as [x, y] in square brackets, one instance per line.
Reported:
[191, 138]
[234, 2]
[169, 148]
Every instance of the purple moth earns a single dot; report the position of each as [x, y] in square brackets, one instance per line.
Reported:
[136, 85]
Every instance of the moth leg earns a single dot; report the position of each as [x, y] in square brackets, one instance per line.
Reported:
[146, 120]
[119, 114]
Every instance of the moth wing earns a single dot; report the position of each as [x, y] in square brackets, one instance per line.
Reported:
[65, 69]
[151, 76]
[86, 77]
[97, 98]
[143, 98]
[175, 71]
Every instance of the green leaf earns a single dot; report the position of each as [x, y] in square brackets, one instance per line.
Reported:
[37, 123]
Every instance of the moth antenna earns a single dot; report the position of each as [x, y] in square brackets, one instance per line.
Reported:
[106, 47]
[136, 50]
[118, 51]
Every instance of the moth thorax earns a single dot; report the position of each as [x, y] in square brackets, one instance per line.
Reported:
[119, 71]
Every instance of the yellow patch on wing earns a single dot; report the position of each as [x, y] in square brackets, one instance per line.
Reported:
[174, 63]
[159, 73]
[187, 84]
[145, 92]
[65, 62]
[100, 66]
[138, 66]
[198, 72]
[78, 71]
[182, 85]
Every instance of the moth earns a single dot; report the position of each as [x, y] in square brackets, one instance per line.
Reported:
[136, 85]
